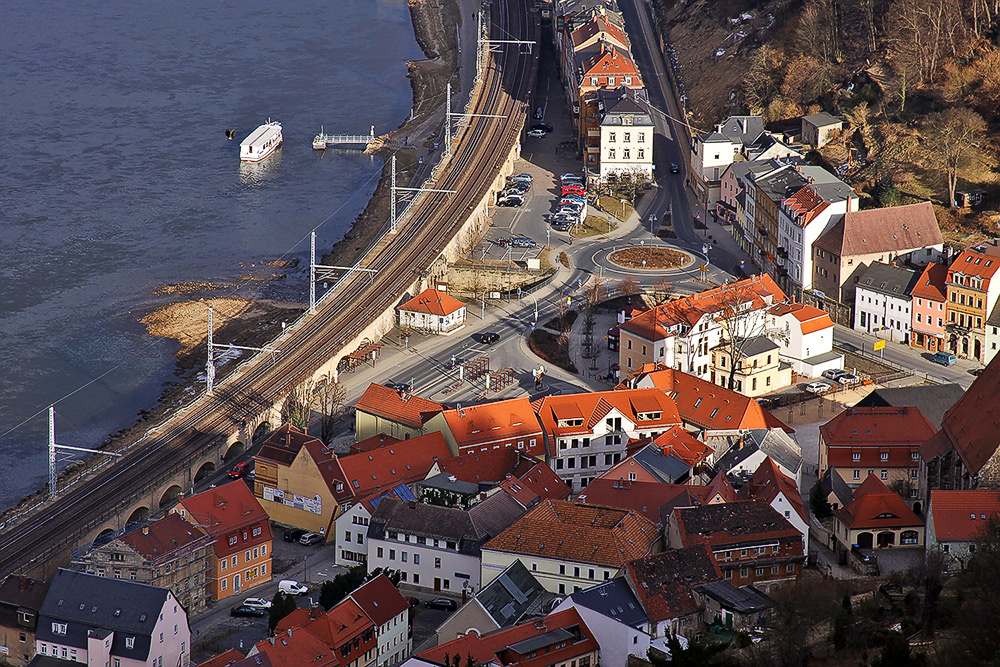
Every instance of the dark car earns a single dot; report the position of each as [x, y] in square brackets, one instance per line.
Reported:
[675, 168]
[412, 601]
[240, 469]
[544, 127]
[400, 386]
[441, 603]
[489, 337]
[294, 534]
[246, 611]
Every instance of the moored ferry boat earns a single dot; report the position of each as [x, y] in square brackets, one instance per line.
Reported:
[262, 142]
[319, 141]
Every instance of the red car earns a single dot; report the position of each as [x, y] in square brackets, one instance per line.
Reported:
[240, 469]
[574, 190]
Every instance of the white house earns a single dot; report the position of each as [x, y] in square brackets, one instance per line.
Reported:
[351, 545]
[390, 613]
[804, 335]
[626, 135]
[616, 619]
[432, 311]
[102, 621]
[882, 302]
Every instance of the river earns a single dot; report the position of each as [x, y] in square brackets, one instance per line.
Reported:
[116, 178]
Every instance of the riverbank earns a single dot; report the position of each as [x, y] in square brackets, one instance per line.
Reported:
[255, 323]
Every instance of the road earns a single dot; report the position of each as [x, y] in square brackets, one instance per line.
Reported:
[345, 310]
[913, 360]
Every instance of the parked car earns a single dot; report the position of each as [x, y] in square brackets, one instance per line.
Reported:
[525, 178]
[944, 358]
[536, 134]
[412, 601]
[257, 603]
[572, 189]
[818, 387]
[244, 611]
[311, 538]
[395, 386]
[562, 227]
[293, 534]
[976, 371]
[521, 242]
[511, 200]
[441, 603]
[489, 338]
[563, 177]
[518, 186]
[292, 587]
[848, 379]
[675, 168]
[539, 112]
[572, 196]
[834, 373]
[240, 469]
[544, 127]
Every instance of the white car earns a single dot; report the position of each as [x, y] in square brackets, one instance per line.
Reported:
[257, 603]
[818, 387]
[536, 134]
[292, 587]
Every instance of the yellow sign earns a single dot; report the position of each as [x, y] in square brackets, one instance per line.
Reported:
[879, 345]
[703, 268]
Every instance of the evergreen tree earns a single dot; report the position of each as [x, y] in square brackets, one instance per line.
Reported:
[282, 605]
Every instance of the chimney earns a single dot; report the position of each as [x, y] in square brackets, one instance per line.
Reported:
[180, 496]
[271, 639]
[412, 504]
[848, 203]
[743, 125]
[289, 632]
[314, 611]
[24, 583]
[288, 437]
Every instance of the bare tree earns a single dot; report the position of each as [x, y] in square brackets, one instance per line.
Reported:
[662, 288]
[299, 405]
[629, 287]
[330, 399]
[954, 138]
[743, 317]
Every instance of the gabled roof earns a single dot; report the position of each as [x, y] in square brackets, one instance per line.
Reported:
[432, 302]
[511, 419]
[703, 404]
[166, 538]
[535, 475]
[662, 465]
[86, 602]
[875, 506]
[679, 443]
[577, 532]
[730, 524]
[385, 467]
[822, 119]
[645, 498]
[402, 407]
[340, 625]
[774, 443]
[767, 482]
[489, 467]
[962, 516]
[737, 129]
[931, 283]
[399, 492]
[931, 400]
[877, 426]
[831, 482]
[226, 508]
[23, 592]
[491, 516]
[229, 657]
[512, 595]
[614, 599]
[517, 642]
[609, 60]
[663, 581]
[596, 26]
[810, 319]
[413, 518]
[972, 425]
[380, 600]
[720, 490]
[675, 317]
[742, 600]
[295, 646]
[882, 230]
[805, 205]
[894, 281]
[981, 260]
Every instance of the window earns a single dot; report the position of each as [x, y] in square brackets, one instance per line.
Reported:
[416, 560]
[225, 584]
[59, 628]
[883, 456]
[611, 153]
[884, 474]
[392, 554]
[403, 556]
[642, 137]
[347, 536]
[627, 137]
[380, 552]
[611, 136]
[855, 456]
[437, 563]
[641, 154]
[857, 474]
[223, 562]
[256, 531]
[130, 642]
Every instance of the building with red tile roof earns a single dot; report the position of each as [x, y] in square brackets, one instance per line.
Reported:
[679, 442]
[536, 476]
[507, 424]
[663, 584]
[956, 520]
[385, 411]
[295, 647]
[229, 657]
[806, 339]
[874, 235]
[381, 469]
[295, 480]
[588, 433]
[573, 545]
[877, 517]
[750, 541]
[720, 490]
[643, 498]
[875, 440]
[432, 311]
[703, 405]
[681, 333]
[557, 639]
[390, 612]
[346, 630]
[928, 309]
[241, 554]
[374, 442]
[971, 314]
[779, 491]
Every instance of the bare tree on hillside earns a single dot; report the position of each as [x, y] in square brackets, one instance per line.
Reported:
[922, 32]
[954, 138]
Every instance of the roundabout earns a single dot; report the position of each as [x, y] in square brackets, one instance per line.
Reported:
[650, 258]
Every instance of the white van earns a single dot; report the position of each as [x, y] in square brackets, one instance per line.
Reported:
[292, 587]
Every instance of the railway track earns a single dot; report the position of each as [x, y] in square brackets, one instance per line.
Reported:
[430, 222]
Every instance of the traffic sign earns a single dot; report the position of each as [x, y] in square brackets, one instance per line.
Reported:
[879, 345]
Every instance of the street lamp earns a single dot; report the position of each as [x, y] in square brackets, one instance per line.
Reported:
[536, 304]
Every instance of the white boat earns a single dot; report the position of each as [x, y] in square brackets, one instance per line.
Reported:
[262, 142]
[319, 141]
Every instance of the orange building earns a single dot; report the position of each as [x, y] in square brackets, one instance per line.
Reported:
[231, 515]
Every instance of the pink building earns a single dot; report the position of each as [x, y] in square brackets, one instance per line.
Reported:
[928, 308]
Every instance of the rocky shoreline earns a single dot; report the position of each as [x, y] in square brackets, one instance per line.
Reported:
[255, 323]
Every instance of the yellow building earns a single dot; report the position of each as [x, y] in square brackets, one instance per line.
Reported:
[400, 414]
[758, 369]
[296, 481]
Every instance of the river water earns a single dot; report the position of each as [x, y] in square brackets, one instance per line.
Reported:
[116, 178]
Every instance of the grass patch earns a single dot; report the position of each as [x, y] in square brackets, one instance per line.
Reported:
[654, 258]
[564, 259]
[614, 207]
[553, 349]
[592, 226]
